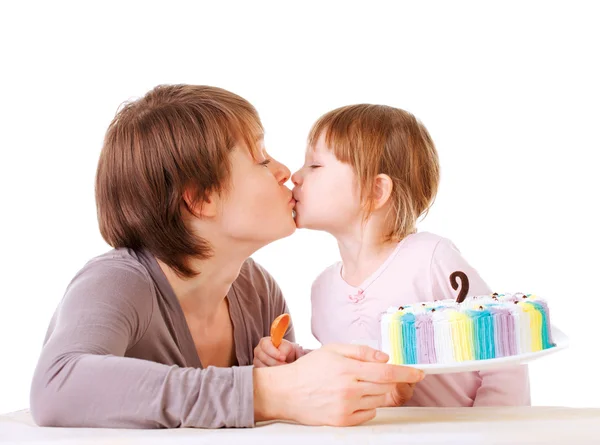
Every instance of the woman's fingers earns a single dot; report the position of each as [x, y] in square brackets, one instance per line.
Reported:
[372, 402]
[359, 352]
[374, 389]
[384, 373]
[334, 385]
[361, 416]
[401, 394]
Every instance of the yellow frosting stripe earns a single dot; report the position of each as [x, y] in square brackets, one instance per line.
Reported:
[396, 339]
[535, 324]
[462, 336]
[393, 340]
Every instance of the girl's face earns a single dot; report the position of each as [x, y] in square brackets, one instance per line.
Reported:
[326, 192]
[257, 207]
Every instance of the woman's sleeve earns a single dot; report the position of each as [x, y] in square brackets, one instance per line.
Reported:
[499, 387]
[82, 378]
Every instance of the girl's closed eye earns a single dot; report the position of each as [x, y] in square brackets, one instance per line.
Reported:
[266, 162]
[313, 166]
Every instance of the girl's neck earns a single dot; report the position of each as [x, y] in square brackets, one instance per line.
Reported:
[362, 256]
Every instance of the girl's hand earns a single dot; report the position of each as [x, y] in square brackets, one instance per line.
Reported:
[265, 354]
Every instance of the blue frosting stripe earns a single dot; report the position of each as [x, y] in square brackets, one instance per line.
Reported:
[483, 333]
[409, 335]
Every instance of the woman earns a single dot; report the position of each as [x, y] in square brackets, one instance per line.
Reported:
[159, 332]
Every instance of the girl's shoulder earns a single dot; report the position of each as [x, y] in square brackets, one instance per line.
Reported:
[423, 247]
[330, 275]
[425, 240]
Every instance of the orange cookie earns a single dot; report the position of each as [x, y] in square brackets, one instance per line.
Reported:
[278, 329]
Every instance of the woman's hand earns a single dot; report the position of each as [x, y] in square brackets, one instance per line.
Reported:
[266, 354]
[336, 385]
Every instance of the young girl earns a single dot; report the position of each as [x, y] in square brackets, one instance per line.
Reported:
[370, 172]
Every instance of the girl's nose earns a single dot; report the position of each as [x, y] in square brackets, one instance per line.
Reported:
[297, 178]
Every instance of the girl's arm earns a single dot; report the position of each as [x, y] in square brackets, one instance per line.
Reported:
[504, 387]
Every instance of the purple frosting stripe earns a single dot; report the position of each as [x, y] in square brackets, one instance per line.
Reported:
[504, 332]
[425, 339]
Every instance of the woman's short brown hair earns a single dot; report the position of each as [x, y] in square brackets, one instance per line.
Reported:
[377, 139]
[176, 138]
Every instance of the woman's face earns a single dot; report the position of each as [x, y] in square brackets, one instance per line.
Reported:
[257, 207]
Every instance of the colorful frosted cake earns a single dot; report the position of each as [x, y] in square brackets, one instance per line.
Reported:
[473, 328]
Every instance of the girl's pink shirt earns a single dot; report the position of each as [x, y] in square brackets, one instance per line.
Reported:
[417, 270]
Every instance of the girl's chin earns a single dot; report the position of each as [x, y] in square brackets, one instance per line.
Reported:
[297, 220]
[300, 220]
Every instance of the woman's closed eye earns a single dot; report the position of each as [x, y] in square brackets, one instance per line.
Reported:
[313, 166]
[266, 162]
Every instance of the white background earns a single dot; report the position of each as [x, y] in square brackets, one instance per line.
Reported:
[510, 94]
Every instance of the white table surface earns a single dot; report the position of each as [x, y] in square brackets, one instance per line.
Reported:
[534, 425]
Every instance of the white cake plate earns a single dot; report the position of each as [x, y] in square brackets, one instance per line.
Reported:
[559, 337]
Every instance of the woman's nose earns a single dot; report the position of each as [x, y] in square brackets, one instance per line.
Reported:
[282, 173]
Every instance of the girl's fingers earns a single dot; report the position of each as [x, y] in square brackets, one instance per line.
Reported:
[261, 355]
[286, 349]
[267, 346]
[258, 364]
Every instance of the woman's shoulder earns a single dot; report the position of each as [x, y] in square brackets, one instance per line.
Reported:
[254, 278]
[123, 262]
[258, 294]
[118, 274]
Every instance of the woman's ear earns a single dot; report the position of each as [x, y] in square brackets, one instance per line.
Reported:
[201, 208]
[382, 189]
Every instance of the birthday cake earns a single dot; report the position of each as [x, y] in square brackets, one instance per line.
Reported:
[468, 328]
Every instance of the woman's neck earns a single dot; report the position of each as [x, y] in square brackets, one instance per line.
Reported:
[202, 295]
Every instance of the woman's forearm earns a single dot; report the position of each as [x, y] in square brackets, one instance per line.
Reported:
[86, 390]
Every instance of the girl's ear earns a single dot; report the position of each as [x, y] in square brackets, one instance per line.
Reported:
[382, 189]
[201, 208]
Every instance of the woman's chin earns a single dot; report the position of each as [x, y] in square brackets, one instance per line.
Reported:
[292, 224]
